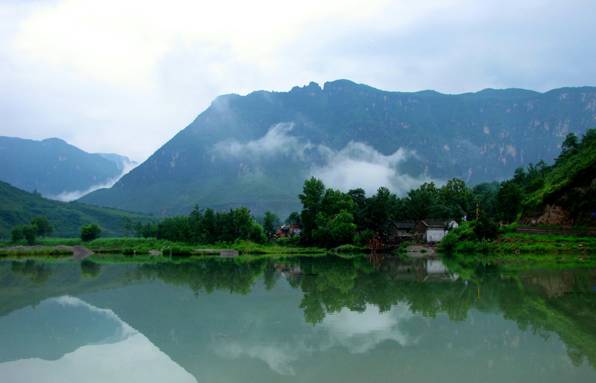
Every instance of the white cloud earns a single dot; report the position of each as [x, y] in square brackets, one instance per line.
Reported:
[72, 195]
[277, 140]
[360, 332]
[359, 165]
[357, 332]
[278, 357]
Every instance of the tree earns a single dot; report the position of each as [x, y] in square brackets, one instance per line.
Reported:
[379, 210]
[359, 199]
[569, 145]
[311, 198]
[485, 228]
[17, 233]
[509, 199]
[43, 227]
[294, 219]
[270, 224]
[257, 234]
[421, 202]
[342, 228]
[90, 232]
[29, 233]
[457, 198]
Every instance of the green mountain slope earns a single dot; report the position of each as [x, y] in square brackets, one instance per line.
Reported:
[256, 150]
[53, 167]
[568, 191]
[18, 207]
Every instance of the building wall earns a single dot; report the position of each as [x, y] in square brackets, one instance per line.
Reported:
[435, 235]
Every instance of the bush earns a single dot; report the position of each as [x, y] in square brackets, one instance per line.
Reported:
[42, 226]
[485, 228]
[90, 232]
[17, 233]
[29, 232]
[257, 234]
[448, 243]
[363, 237]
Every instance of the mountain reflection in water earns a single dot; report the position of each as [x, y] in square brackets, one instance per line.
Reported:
[295, 319]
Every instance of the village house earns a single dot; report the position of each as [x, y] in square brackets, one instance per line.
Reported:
[433, 230]
[288, 231]
[402, 231]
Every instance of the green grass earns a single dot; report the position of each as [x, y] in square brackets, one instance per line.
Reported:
[141, 247]
[36, 251]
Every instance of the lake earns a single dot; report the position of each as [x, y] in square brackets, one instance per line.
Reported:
[318, 319]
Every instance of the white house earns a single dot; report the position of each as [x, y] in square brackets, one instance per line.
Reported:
[435, 230]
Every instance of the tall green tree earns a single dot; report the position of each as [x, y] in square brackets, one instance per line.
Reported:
[29, 233]
[509, 200]
[422, 201]
[270, 224]
[90, 232]
[311, 198]
[43, 227]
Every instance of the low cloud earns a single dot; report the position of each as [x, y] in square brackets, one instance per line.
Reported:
[276, 141]
[357, 165]
[68, 196]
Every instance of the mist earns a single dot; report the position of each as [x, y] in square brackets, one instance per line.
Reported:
[356, 165]
[68, 196]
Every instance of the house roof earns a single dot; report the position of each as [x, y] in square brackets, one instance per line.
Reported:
[433, 223]
[404, 225]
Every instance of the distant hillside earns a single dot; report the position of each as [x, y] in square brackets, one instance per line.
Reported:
[18, 207]
[55, 169]
[256, 150]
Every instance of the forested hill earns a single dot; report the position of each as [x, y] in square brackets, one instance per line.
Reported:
[564, 193]
[53, 167]
[19, 207]
[256, 150]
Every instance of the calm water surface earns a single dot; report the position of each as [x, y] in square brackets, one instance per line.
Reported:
[299, 320]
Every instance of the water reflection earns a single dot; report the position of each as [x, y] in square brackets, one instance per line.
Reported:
[310, 319]
[68, 340]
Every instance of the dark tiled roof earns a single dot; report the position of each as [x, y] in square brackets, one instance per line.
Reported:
[404, 225]
[435, 223]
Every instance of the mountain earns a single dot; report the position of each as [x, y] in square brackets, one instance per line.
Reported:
[56, 169]
[256, 150]
[18, 207]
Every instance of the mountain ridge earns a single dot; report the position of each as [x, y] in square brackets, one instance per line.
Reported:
[56, 168]
[480, 136]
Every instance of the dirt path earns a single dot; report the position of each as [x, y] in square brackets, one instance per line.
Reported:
[80, 252]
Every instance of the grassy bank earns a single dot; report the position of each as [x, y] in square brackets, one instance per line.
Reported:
[513, 244]
[151, 247]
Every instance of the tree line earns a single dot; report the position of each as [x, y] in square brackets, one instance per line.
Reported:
[207, 226]
[41, 227]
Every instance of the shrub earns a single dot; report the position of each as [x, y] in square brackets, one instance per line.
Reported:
[17, 233]
[485, 228]
[90, 232]
[363, 237]
[448, 243]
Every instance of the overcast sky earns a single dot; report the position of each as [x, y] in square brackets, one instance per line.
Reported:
[125, 75]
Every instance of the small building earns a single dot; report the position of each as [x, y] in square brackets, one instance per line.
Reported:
[402, 231]
[288, 231]
[434, 230]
